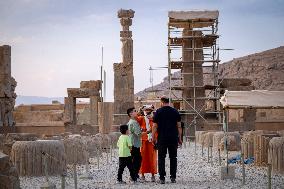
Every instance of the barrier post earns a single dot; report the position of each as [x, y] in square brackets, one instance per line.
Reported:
[243, 168]
[75, 175]
[219, 156]
[269, 176]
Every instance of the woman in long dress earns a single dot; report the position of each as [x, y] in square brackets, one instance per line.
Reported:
[148, 152]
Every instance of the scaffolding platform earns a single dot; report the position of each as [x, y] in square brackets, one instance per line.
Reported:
[193, 34]
[205, 87]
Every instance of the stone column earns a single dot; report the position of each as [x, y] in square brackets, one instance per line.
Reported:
[94, 110]
[67, 112]
[72, 106]
[123, 72]
[7, 88]
[105, 115]
[188, 55]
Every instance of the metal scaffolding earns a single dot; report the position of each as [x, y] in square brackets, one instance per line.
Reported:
[193, 50]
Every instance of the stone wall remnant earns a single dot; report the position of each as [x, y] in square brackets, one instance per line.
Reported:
[9, 178]
[7, 89]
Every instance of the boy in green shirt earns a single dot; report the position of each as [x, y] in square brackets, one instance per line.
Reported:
[124, 146]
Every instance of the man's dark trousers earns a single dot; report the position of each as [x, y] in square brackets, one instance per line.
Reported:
[136, 159]
[162, 152]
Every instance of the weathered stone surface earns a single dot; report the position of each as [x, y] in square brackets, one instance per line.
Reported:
[11, 138]
[123, 72]
[234, 140]
[93, 145]
[234, 143]
[75, 149]
[114, 138]
[261, 145]
[122, 13]
[231, 82]
[88, 89]
[82, 92]
[27, 156]
[208, 139]
[276, 154]
[7, 89]
[248, 142]
[105, 139]
[94, 101]
[198, 137]
[92, 84]
[83, 116]
[281, 133]
[2, 138]
[105, 114]
[217, 137]
[126, 34]
[9, 178]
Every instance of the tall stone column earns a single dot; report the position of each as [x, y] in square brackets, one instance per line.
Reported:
[193, 74]
[7, 88]
[123, 72]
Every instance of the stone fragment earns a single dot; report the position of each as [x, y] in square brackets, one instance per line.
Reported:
[9, 178]
[27, 156]
[276, 154]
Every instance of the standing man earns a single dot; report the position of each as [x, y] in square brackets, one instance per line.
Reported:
[135, 135]
[167, 124]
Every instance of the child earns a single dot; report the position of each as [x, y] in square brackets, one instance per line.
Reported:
[124, 145]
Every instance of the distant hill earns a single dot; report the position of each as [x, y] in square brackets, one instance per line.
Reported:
[36, 100]
[265, 69]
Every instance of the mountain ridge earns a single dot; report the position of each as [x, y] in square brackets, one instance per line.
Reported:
[265, 69]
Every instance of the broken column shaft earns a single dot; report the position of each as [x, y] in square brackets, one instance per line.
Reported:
[7, 88]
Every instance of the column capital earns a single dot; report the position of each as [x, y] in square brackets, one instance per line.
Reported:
[123, 13]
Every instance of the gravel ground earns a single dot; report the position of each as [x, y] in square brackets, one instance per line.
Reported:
[193, 172]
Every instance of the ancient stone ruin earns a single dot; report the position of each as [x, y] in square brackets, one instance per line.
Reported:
[123, 72]
[9, 175]
[88, 89]
[7, 90]
[28, 157]
[276, 154]
[216, 140]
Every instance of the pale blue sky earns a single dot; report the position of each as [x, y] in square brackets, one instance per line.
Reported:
[57, 43]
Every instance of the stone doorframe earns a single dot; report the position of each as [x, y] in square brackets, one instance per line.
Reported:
[88, 89]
